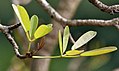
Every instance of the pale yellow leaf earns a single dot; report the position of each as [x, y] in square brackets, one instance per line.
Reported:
[100, 51]
[84, 39]
[74, 52]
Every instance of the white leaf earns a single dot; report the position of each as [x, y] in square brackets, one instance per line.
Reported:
[84, 39]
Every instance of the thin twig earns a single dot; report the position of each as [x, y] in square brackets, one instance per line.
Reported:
[105, 8]
[39, 45]
[14, 26]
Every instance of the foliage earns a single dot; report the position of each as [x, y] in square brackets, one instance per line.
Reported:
[80, 42]
[74, 52]
[30, 26]
[33, 33]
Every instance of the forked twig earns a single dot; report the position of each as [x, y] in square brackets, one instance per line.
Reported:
[105, 8]
[63, 21]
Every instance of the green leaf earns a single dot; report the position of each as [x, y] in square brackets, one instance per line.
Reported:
[65, 38]
[60, 42]
[42, 31]
[22, 16]
[100, 51]
[34, 25]
[84, 39]
[74, 52]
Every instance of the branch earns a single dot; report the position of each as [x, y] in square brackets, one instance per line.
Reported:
[6, 30]
[63, 21]
[93, 22]
[14, 26]
[105, 8]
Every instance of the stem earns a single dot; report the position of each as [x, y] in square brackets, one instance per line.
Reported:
[49, 57]
[46, 57]
[31, 40]
[70, 56]
[28, 36]
[29, 46]
[72, 40]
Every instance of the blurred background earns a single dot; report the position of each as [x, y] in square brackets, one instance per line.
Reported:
[106, 36]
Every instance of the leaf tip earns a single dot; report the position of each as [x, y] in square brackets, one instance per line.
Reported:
[114, 48]
[93, 33]
[13, 5]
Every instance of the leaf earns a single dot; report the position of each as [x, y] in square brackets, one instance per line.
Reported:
[60, 43]
[65, 38]
[74, 52]
[84, 39]
[42, 31]
[100, 51]
[22, 16]
[34, 24]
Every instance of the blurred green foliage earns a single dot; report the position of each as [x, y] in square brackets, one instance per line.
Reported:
[106, 36]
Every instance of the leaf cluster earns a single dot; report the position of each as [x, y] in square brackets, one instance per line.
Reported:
[30, 26]
[86, 37]
[34, 32]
